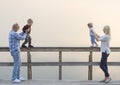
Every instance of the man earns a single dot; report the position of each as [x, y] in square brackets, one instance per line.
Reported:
[14, 46]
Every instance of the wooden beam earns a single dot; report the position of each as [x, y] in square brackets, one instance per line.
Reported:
[63, 49]
[29, 66]
[63, 64]
[60, 66]
[90, 66]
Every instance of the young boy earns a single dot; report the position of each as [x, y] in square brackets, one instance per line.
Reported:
[28, 38]
[14, 46]
[92, 36]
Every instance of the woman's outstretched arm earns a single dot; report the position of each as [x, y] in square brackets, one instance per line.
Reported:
[96, 36]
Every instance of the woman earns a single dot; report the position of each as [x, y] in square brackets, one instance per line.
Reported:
[105, 49]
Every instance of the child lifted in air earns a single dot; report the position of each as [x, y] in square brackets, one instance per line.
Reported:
[28, 38]
[92, 36]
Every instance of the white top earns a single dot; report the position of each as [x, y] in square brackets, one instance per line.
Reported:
[105, 43]
[92, 31]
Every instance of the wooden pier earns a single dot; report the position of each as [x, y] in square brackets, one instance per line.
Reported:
[41, 82]
[61, 50]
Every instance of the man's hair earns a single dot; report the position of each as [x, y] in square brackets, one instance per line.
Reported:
[14, 25]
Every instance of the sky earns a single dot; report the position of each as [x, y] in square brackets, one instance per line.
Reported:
[60, 22]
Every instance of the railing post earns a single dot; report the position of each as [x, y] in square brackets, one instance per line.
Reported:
[60, 66]
[29, 66]
[90, 67]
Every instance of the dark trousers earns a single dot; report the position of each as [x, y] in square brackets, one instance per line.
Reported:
[103, 64]
[27, 40]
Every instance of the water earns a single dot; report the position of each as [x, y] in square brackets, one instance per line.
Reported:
[69, 72]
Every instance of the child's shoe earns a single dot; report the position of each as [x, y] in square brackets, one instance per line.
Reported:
[23, 46]
[92, 46]
[96, 45]
[30, 46]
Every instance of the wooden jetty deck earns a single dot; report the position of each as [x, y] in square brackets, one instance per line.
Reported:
[60, 64]
[41, 82]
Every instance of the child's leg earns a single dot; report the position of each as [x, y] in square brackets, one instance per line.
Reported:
[29, 40]
[92, 40]
[26, 41]
[96, 43]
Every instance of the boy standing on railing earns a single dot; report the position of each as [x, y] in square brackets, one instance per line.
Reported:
[92, 36]
[14, 46]
[28, 38]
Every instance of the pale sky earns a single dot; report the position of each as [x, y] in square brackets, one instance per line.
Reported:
[60, 22]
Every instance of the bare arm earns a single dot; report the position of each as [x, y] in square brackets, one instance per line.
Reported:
[96, 36]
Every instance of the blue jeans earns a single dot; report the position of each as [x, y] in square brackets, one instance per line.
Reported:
[17, 65]
[92, 39]
[103, 64]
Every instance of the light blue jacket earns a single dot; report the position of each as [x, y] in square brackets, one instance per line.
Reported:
[14, 40]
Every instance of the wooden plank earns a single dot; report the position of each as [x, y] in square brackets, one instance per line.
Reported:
[63, 49]
[29, 64]
[53, 82]
[63, 64]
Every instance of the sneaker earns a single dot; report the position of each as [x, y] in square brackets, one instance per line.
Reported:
[92, 46]
[23, 46]
[96, 46]
[103, 80]
[22, 79]
[31, 46]
[108, 80]
[16, 81]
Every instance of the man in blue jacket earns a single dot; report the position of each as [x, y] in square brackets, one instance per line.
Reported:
[14, 46]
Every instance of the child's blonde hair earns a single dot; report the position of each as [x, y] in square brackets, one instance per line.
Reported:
[90, 24]
[29, 20]
[107, 30]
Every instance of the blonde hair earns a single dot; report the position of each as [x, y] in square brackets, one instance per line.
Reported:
[90, 24]
[107, 30]
[29, 20]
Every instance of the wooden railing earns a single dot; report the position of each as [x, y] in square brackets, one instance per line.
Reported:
[90, 64]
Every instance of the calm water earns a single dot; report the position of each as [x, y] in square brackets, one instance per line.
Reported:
[69, 72]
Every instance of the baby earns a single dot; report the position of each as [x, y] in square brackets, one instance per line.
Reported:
[28, 38]
[92, 36]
